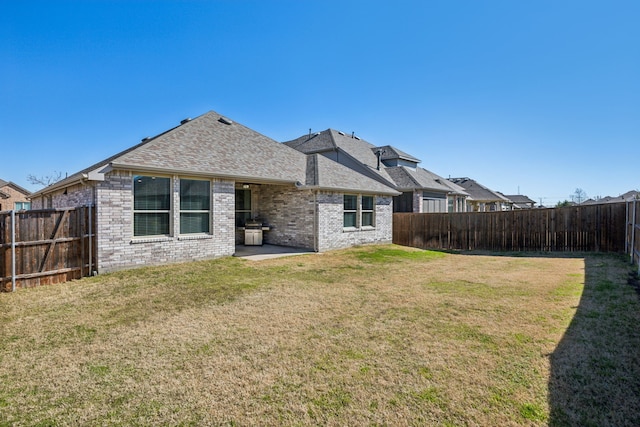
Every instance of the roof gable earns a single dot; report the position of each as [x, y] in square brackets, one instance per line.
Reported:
[390, 152]
[15, 186]
[478, 191]
[324, 173]
[360, 152]
[214, 145]
[422, 179]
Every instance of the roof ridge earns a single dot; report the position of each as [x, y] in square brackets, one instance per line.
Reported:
[333, 140]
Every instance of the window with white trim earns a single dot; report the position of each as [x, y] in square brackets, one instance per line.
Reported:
[151, 205]
[366, 213]
[22, 206]
[195, 206]
[350, 211]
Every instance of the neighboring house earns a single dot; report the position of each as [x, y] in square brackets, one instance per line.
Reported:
[520, 201]
[482, 199]
[186, 194]
[422, 190]
[13, 197]
[626, 197]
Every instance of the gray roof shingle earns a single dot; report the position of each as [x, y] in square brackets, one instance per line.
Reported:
[359, 153]
[421, 179]
[391, 152]
[211, 145]
[478, 191]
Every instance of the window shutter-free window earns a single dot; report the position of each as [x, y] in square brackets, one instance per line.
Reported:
[195, 206]
[350, 210]
[367, 211]
[151, 205]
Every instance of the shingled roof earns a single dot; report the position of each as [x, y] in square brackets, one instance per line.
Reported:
[477, 191]
[407, 178]
[15, 186]
[350, 149]
[390, 152]
[212, 145]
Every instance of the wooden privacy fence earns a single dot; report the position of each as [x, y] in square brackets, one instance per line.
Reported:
[46, 246]
[599, 228]
[632, 242]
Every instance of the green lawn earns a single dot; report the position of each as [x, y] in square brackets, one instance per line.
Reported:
[377, 335]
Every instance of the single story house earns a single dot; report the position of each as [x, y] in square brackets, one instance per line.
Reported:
[520, 201]
[187, 193]
[13, 197]
[421, 190]
[629, 196]
[481, 198]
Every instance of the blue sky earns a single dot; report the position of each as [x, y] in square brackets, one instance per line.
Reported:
[531, 97]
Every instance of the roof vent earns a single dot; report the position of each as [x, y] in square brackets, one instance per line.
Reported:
[225, 120]
[341, 133]
[187, 120]
[146, 138]
[357, 137]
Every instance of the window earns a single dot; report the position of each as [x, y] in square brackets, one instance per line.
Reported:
[151, 205]
[434, 202]
[195, 206]
[350, 210]
[367, 211]
[23, 206]
[243, 207]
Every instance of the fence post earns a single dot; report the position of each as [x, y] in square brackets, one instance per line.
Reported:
[13, 250]
[632, 243]
[90, 242]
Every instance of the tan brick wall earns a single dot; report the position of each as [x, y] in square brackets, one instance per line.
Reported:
[14, 196]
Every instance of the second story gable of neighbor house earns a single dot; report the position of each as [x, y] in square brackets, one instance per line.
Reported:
[13, 197]
[422, 190]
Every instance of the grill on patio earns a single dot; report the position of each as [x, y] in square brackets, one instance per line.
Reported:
[253, 233]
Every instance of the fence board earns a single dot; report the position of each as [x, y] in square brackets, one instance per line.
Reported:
[592, 228]
[51, 246]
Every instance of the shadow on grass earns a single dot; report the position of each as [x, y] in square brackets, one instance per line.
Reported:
[595, 369]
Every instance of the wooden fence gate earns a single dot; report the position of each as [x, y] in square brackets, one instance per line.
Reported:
[598, 228]
[46, 246]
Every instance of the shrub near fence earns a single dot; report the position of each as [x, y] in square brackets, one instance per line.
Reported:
[48, 246]
[599, 228]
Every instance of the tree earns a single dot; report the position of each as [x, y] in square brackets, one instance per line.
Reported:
[45, 181]
[563, 204]
[579, 195]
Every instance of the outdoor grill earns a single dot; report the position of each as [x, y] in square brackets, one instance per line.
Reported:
[253, 233]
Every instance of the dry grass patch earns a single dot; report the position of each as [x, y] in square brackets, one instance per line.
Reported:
[379, 335]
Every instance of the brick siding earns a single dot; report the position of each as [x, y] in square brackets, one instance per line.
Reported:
[290, 213]
[15, 196]
[333, 235]
[118, 248]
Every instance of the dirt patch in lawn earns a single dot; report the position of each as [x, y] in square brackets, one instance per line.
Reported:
[379, 335]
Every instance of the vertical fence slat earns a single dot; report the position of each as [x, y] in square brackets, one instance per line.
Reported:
[591, 228]
[45, 246]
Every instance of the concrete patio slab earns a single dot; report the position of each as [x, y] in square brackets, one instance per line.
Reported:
[257, 253]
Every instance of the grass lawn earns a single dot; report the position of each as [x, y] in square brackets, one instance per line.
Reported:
[377, 335]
